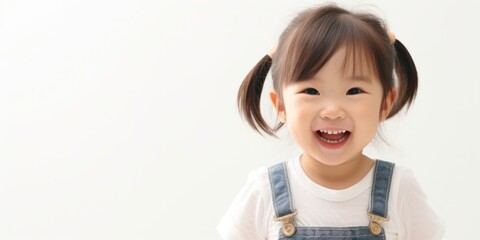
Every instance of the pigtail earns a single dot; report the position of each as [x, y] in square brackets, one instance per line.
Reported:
[406, 76]
[249, 94]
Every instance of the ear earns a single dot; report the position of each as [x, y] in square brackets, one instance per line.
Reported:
[277, 105]
[388, 103]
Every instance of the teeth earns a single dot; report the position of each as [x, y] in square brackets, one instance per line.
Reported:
[333, 132]
[333, 141]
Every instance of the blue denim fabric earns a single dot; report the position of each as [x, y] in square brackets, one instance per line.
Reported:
[283, 205]
[282, 199]
[381, 188]
[337, 233]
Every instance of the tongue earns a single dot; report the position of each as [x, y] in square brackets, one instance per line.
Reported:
[332, 137]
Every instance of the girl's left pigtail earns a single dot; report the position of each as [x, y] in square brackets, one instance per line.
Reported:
[406, 76]
[249, 94]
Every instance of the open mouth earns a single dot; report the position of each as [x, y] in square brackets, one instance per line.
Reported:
[333, 136]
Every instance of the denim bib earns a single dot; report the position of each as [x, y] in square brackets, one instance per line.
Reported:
[285, 211]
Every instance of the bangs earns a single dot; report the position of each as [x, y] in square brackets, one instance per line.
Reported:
[359, 55]
[318, 38]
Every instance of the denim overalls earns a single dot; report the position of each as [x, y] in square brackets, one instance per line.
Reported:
[285, 211]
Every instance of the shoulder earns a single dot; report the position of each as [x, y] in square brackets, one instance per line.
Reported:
[405, 186]
[403, 179]
[259, 175]
[257, 184]
[415, 217]
[246, 218]
[255, 188]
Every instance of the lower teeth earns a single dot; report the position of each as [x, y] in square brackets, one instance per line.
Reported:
[332, 141]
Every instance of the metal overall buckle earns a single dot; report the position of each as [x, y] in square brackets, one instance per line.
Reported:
[288, 228]
[375, 223]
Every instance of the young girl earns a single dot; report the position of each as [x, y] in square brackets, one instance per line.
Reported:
[334, 83]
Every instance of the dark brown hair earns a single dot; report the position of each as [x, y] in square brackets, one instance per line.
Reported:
[307, 44]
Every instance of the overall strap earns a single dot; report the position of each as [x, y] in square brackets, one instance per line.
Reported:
[281, 195]
[380, 191]
[282, 198]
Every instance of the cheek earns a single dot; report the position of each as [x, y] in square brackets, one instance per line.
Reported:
[372, 105]
[368, 113]
[297, 110]
[298, 120]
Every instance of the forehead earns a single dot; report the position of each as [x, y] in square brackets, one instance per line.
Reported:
[351, 62]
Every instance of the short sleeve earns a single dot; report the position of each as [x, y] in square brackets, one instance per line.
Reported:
[245, 218]
[417, 218]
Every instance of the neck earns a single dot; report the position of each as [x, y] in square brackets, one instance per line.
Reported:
[339, 176]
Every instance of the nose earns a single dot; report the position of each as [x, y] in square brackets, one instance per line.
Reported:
[332, 111]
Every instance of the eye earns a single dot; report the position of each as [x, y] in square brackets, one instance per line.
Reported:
[354, 91]
[311, 91]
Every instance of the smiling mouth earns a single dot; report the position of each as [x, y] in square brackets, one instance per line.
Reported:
[333, 137]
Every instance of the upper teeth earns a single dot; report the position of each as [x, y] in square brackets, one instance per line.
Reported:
[333, 132]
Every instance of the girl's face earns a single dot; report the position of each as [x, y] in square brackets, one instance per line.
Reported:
[335, 114]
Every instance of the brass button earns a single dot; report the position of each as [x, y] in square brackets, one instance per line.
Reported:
[288, 229]
[375, 228]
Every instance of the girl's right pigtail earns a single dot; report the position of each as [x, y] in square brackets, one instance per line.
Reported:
[406, 76]
[248, 98]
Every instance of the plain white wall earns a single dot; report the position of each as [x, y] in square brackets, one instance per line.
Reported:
[118, 119]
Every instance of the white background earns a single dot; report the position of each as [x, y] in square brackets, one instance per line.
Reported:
[118, 119]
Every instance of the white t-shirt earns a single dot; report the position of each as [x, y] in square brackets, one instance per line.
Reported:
[251, 215]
